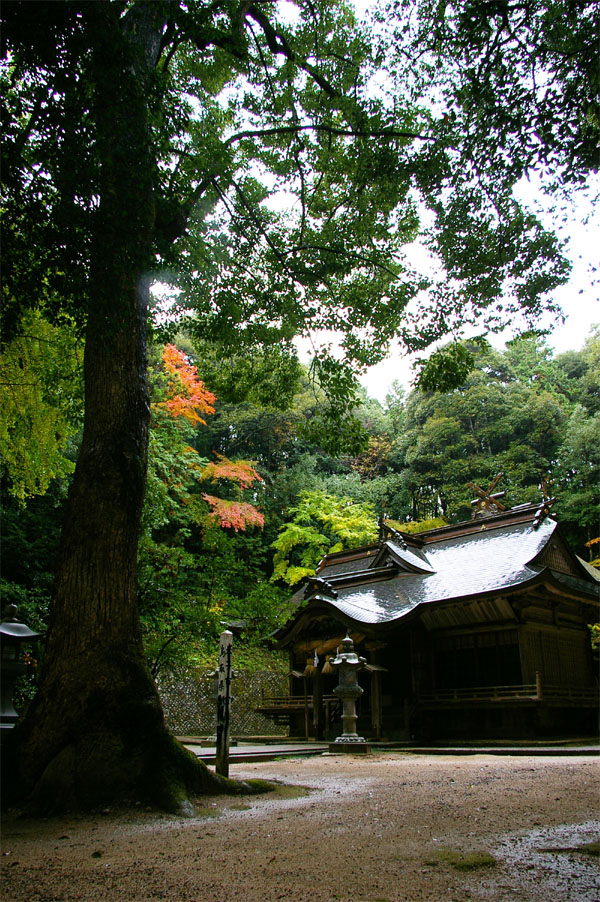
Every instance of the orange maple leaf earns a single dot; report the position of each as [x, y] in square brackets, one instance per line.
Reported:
[240, 471]
[237, 515]
[189, 397]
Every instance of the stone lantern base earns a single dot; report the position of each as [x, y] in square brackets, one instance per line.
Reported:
[352, 747]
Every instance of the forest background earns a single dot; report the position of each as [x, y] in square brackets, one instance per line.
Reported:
[246, 492]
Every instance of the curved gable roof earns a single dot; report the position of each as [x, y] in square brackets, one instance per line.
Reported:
[380, 584]
[462, 566]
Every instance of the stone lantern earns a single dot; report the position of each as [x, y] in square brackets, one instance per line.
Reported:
[13, 635]
[348, 691]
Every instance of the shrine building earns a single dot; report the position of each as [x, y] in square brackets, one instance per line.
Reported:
[470, 631]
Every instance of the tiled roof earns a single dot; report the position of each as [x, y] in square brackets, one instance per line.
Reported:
[468, 560]
[407, 558]
[482, 562]
[336, 568]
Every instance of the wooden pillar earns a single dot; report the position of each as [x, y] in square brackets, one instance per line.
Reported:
[305, 708]
[376, 704]
[223, 703]
[318, 704]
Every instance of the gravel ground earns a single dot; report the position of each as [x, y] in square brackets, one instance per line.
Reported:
[384, 828]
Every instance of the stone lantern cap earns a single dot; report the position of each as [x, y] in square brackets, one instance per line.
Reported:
[347, 654]
[13, 629]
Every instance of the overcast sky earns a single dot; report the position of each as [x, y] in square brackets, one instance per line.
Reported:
[579, 298]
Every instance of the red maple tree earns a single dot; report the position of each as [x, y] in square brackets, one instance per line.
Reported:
[237, 515]
[188, 396]
[240, 471]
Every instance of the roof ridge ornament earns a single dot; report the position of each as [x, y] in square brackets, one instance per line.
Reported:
[542, 512]
[487, 503]
[547, 501]
[397, 536]
[399, 539]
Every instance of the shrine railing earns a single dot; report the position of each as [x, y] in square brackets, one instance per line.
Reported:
[532, 691]
[576, 693]
[291, 702]
[528, 690]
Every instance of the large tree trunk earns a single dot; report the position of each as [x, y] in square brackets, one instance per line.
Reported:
[96, 731]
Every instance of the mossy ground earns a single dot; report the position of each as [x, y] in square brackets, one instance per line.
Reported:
[462, 861]
[588, 848]
[257, 787]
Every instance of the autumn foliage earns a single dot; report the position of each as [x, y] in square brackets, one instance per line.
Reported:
[236, 515]
[188, 397]
[240, 471]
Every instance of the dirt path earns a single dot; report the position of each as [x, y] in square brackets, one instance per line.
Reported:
[383, 829]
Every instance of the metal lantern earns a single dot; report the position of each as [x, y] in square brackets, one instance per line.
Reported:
[13, 635]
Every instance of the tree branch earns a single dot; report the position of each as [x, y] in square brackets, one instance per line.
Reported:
[156, 664]
[204, 36]
[327, 129]
[23, 137]
[328, 249]
[278, 44]
[256, 220]
[171, 222]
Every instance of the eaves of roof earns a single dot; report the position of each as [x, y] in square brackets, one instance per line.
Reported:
[480, 563]
[377, 615]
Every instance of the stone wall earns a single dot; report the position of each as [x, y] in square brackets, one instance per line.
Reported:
[190, 706]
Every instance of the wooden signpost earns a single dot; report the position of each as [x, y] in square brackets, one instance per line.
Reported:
[223, 703]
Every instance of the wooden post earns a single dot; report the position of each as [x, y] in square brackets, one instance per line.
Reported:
[223, 703]
[305, 708]
[318, 705]
[376, 706]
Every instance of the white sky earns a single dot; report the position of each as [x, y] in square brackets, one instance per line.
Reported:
[579, 298]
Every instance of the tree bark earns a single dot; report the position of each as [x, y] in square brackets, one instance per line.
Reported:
[96, 731]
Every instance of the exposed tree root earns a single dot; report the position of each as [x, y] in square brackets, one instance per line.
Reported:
[87, 775]
[105, 747]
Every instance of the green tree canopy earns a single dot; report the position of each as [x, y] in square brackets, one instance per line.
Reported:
[513, 90]
[578, 474]
[41, 399]
[321, 524]
[515, 84]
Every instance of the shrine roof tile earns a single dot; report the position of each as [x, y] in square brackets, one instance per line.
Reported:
[461, 566]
